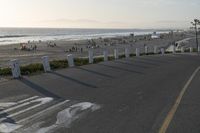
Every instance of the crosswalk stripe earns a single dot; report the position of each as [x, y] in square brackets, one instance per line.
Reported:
[28, 99]
[42, 112]
[18, 106]
[25, 110]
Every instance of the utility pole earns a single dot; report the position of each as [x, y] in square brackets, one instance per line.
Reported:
[195, 24]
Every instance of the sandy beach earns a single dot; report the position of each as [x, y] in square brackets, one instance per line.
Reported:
[63, 47]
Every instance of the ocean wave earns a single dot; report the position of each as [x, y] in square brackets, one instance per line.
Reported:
[13, 36]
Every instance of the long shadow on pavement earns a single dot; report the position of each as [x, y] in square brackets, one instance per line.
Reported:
[94, 72]
[120, 68]
[74, 80]
[131, 64]
[39, 88]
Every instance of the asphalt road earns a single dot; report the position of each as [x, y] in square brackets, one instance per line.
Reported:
[125, 96]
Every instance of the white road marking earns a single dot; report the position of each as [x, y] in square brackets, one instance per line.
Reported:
[41, 100]
[21, 105]
[67, 116]
[28, 99]
[9, 104]
[42, 112]
[8, 127]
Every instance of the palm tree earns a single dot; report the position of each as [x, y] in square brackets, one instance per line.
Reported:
[195, 24]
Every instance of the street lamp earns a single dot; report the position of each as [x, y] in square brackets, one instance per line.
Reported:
[195, 23]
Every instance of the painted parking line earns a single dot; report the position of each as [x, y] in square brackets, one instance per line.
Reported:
[174, 108]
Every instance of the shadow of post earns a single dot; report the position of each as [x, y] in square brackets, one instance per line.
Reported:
[120, 68]
[94, 72]
[74, 80]
[39, 88]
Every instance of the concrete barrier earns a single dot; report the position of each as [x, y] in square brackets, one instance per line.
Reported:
[146, 50]
[127, 52]
[105, 54]
[90, 56]
[137, 52]
[162, 51]
[116, 53]
[70, 60]
[46, 65]
[15, 67]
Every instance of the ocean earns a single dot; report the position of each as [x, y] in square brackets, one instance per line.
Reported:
[23, 35]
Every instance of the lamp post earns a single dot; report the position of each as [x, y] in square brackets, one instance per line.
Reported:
[195, 24]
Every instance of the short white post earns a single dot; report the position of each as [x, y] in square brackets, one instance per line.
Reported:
[174, 49]
[16, 73]
[70, 60]
[116, 53]
[137, 52]
[199, 49]
[191, 49]
[127, 52]
[182, 50]
[146, 50]
[105, 54]
[46, 65]
[91, 54]
[162, 51]
[155, 50]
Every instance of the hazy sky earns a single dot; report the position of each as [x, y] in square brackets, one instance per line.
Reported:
[99, 13]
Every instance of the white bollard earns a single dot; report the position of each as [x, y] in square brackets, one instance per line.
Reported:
[182, 50]
[91, 54]
[174, 49]
[127, 52]
[16, 73]
[116, 53]
[146, 50]
[155, 50]
[199, 49]
[70, 60]
[46, 65]
[137, 52]
[191, 49]
[105, 54]
[162, 51]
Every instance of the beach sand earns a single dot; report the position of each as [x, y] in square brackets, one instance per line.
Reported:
[61, 50]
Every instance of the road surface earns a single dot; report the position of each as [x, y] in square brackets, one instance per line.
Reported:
[132, 95]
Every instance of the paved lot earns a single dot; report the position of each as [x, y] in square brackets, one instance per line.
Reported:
[124, 96]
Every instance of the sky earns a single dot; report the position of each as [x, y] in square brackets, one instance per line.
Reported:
[99, 13]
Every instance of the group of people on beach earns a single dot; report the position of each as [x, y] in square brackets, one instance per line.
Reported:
[75, 49]
[24, 46]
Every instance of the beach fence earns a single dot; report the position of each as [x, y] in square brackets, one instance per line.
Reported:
[15, 64]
